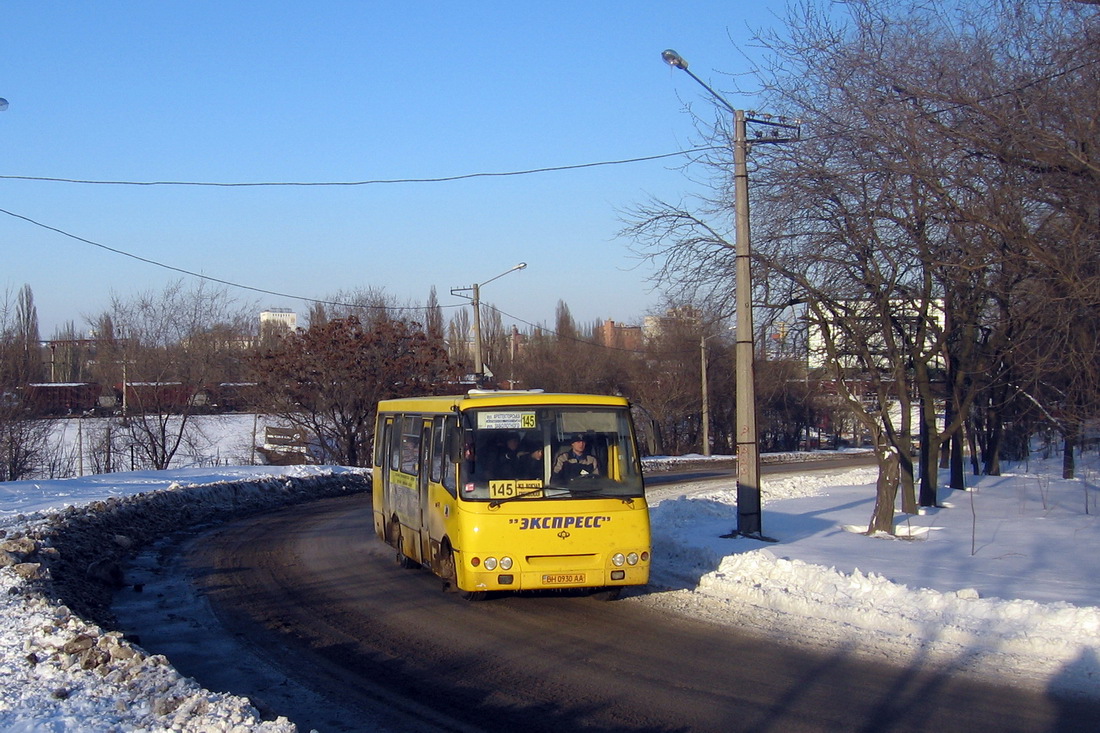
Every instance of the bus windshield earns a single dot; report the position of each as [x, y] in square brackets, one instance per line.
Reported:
[537, 452]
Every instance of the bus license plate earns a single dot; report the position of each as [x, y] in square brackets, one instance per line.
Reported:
[563, 578]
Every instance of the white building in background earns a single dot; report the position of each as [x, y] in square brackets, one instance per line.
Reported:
[675, 320]
[277, 320]
[907, 315]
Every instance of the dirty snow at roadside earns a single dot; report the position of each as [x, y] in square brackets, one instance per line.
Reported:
[1002, 577]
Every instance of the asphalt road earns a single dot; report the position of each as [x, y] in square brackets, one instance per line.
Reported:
[707, 469]
[357, 643]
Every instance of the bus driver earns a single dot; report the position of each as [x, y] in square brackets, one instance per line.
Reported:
[575, 462]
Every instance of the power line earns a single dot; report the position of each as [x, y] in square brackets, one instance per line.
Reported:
[209, 278]
[972, 104]
[230, 283]
[369, 182]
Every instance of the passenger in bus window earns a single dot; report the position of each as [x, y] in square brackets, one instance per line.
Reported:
[575, 462]
[514, 462]
[509, 459]
[531, 464]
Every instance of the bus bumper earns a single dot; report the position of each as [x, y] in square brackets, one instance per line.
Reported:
[549, 580]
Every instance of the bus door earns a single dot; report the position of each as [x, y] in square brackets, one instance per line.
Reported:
[439, 506]
[422, 488]
[383, 496]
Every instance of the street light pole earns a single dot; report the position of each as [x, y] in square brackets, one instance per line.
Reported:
[749, 502]
[706, 396]
[479, 364]
[748, 447]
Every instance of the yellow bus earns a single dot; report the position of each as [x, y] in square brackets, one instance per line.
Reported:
[513, 490]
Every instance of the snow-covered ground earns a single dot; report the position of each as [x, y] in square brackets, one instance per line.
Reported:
[1001, 578]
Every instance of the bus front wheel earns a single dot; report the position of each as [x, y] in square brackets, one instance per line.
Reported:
[608, 593]
[449, 573]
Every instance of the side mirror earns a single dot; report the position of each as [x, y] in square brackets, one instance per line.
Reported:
[460, 445]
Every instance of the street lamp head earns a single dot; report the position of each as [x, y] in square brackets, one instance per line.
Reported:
[3, 104]
[520, 266]
[674, 59]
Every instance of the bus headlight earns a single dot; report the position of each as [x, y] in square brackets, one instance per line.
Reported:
[617, 559]
[490, 563]
[505, 563]
[632, 559]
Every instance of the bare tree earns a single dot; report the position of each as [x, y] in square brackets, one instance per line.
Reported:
[433, 319]
[24, 447]
[20, 343]
[569, 359]
[460, 340]
[328, 379]
[163, 349]
[933, 203]
[27, 335]
[23, 439]
[668, 385]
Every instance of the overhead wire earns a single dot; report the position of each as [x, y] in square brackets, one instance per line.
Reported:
[367, 182]
[392, 181]
[379, 181]
[199, 275]
[924, 114]
[230, 283]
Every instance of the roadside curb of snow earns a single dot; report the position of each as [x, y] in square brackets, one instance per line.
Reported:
[60, 572]
[1019, 639]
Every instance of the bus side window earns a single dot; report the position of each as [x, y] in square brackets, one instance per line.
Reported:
[381, 442]
[436, 472]
[410, 454]
[443, 470]
[395, 445]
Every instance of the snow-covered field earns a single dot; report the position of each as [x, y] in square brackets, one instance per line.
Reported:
[1000, 579]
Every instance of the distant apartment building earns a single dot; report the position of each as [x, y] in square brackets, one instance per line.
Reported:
[674, 320]
[867, 323]
[278, 320]
[620, 336]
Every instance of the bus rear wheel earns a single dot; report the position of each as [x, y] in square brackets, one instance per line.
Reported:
[393, 537]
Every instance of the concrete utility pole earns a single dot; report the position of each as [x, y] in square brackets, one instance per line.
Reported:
[749, 523]
[475, 298]
[706, 396]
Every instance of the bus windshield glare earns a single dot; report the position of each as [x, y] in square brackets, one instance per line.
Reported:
[538, 452]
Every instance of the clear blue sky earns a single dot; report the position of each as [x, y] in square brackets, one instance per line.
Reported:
[349, 91]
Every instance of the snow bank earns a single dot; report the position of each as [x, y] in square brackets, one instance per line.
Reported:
[59, 669]
[1029, 641]
[926, 597]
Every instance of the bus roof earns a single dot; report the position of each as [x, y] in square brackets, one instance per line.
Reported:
[497, 398]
